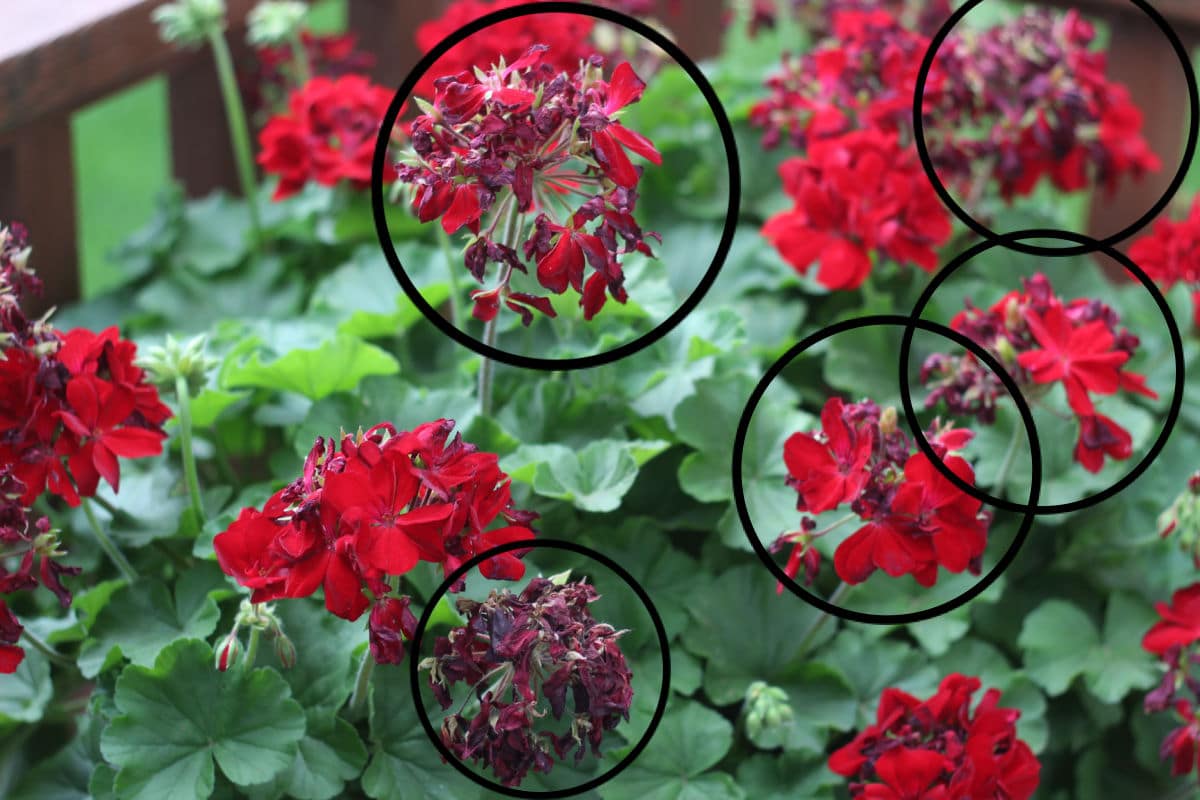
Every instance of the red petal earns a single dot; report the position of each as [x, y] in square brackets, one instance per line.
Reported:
[464, 210]
[11, 657]
[593, 295]
[386, 548]
[612, 159]
[555, 268]
[134, 442]
[343, 589]
[636, 142]
[624, 88]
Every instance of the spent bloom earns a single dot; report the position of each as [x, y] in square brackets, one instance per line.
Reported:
[914, 519]
[327, 135]
[1042, 340]
[940, 748]
[364, 511]
[536, 165]
[1043, 98]
[525, 656]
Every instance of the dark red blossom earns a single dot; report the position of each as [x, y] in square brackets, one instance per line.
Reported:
[369, 507]
[525, 657]
[939, 749]
[858, 197]
[1180, 623]
[1043, 340]
[389, 625]
[916, 520]
[326, 135]
[11, 655]
[533, 161]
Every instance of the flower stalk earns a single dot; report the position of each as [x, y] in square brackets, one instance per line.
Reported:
[106, 544]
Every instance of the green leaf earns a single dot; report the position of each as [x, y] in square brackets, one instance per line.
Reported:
[25, 693]
[593, 479]
[364, 295]
[329, 755]
[142, 619]
[690, 740]
[323, 675]
[335, 365]
[180, 715]
[214, 234]
[63, 776]
[746, 631]
[1060, 642]
[404, 763]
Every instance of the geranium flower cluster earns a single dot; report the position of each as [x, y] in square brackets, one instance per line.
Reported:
[1173, 639]
[1043, 340]
[367, 509]
[1045, 102]
[71, 405]
[568, 37]
[916, 520]
[1032, 84]
[817, 16]
[1170, 254]
[861, 78]
[940, 749]
[326, 55]
[526, 139]
[540, 645]
[327, 135]
[858, 197]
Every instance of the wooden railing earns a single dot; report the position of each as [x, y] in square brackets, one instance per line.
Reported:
[57, 57]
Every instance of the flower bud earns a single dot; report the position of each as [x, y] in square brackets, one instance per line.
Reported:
[173, 359]
[189, 22]
[274, 22]
[767, 708]
[228, 652]
[285, 651]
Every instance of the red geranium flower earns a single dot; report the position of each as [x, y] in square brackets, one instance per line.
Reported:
[833, 471]
[327, 135]
[11, 656]
[1080, 356]
[1180, 624]
[856, 195]
[99, 417]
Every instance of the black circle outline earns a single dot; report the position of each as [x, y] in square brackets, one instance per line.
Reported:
[1172, 412]
[706, 281]
[659, 629]
[1189, 150]
[739, 443]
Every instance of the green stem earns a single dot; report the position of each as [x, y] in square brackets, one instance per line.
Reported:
[185, 443]
[252, 647]
[107, 506]
[107, 545]
[1005, 465]
[46, 649]
[810, 635]
[451, 275]
[300, 57]
[239, 130]
[359, 699]
[486, 367]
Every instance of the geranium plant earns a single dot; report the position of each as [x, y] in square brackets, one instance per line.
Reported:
[234, 472]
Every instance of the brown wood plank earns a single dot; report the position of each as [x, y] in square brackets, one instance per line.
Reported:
[37, 188]
[387, 30]
[201, 153]
[58, 56]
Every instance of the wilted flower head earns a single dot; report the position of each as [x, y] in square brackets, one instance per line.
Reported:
[523, 656]
[533, 162]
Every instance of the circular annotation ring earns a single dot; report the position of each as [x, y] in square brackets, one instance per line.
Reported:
[660, 631]
[379, 201]
[743, 429]
[1189, 150]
